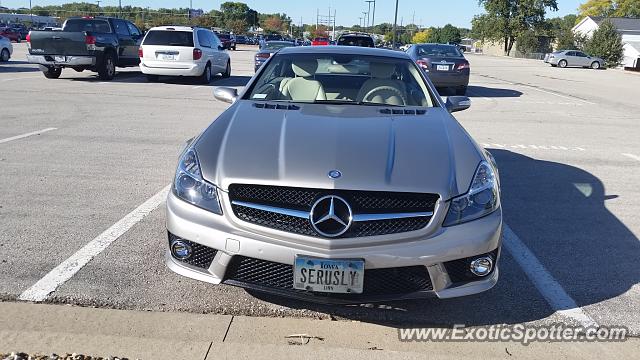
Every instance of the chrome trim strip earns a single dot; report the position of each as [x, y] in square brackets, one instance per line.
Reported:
[356, 217]
[376, 217]
[273, 209]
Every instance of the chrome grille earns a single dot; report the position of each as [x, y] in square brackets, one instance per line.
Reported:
[301, 200]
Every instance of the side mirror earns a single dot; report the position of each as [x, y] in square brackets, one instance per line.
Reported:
[457, 103]
[220, 47]
[225, 94]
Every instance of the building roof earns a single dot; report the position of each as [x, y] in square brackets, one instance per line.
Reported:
[622, 24]
[634, 44]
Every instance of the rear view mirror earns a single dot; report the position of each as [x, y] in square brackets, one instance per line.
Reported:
[457, 103]
[225, 94]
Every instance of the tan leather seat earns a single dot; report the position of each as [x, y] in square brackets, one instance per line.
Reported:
[303, 87]
[381, 88]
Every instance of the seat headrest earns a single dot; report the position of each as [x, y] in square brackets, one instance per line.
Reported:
[381, 70]
[304, 68]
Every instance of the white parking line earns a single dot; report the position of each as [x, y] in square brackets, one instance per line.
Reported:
[63, 272]
[17, 137]
[634, 157]
[547, 285]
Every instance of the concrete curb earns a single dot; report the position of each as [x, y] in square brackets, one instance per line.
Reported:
[46, 329]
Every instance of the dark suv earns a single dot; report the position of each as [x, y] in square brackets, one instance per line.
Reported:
[356, 39]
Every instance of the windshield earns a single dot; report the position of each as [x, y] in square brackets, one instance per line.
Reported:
[169, 38]
[363, 41]
[98, 26]
[341, 79]
[436, 50]
[276, 45]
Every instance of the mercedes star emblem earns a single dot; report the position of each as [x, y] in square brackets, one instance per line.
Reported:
[334, 174]
[331, 216]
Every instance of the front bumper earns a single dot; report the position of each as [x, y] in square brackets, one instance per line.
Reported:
[195, 69]
[231, 242]
[49, 60]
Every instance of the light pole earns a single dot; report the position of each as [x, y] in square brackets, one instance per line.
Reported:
[30, 13]
[395, 25]
[369, 12]
[364, 20]
[373, 16]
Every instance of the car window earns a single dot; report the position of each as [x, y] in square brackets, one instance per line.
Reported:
[363, 41]
[581, 54]
[213, 39]
[77, 25]
[571, 53]
[276, 45]
[437, 50]
[203, 39]
[133, 29]
[121, 27]
[346, 80]
[169, 38]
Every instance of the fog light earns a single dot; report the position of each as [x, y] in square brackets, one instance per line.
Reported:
[181, 250]
[481, 266]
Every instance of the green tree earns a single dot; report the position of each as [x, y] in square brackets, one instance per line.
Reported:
[606, 43]
[505, 20]
[610, 8]
[450, 34]
[528, 43]
[560, 28]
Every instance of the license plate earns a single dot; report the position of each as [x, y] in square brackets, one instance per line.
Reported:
[167, 57]
[328, 275]
[442, 67]
[60, 58]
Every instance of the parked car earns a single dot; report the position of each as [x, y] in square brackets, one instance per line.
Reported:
[20, 29]
[267, 50]
[445, 65]
[356, 39]
[6, 49]
[320, 41]
[183, 51]
[341, 173]
[10, 34]
[228, 40]
[241, 39]
[573, 58]
[98, 44]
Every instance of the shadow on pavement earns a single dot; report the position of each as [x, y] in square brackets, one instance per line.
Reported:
[139, 78]
[15, 66]
[558, 211]
[481, 91]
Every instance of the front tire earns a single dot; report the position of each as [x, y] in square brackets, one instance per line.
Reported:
[52, 73]
[595, 65]
[4, 55]
[562, 63]
[107, 70]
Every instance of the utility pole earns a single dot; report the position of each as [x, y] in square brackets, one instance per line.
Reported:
[373, 17]
[30, 13]
[360, 21]
[368, 13]
[395, 25]
[190, 7]
[120, 8]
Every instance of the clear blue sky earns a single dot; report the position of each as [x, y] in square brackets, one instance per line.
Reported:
[427, 12]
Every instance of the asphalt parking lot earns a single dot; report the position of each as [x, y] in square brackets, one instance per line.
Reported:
[566, 142]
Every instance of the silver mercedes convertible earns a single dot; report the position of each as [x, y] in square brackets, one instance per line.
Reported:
[337, 175]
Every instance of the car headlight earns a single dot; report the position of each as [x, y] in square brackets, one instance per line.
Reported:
[189, 185]
[482, 198]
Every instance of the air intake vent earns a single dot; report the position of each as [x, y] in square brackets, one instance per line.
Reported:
[403, 111]
[276, 106]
